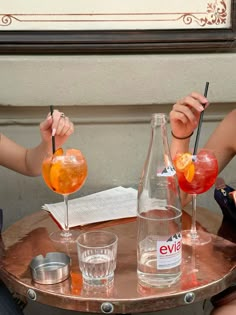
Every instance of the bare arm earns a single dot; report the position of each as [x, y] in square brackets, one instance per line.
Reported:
[222, 140]
[29, 161]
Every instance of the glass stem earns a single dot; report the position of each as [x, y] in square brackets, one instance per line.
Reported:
[66, 231]
[194, 217]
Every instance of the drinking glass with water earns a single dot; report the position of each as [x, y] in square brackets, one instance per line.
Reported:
[97, 252]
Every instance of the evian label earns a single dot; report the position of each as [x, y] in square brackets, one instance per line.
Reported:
[167, 171]
[169, 252]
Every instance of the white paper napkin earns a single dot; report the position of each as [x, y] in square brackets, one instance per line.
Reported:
[111, 204]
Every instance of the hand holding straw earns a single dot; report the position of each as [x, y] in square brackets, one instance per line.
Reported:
[200, 122]
[53, 137]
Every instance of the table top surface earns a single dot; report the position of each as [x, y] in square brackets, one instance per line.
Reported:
[206, 270]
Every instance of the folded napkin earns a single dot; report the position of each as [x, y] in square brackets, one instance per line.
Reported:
[111, 204]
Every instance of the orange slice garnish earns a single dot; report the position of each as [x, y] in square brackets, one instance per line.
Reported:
[58, 152]
[184, 164]
[55, 175]
[46, 166]
[55, 170]
[189, 172]
[183, 161]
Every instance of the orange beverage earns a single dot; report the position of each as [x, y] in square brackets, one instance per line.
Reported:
[65, 171]
[196, 173]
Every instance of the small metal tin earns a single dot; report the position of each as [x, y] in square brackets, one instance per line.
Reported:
[53, 268]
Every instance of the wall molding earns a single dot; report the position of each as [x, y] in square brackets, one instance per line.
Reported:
[90, 115]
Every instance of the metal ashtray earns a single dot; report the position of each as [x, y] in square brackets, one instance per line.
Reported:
[53, 268]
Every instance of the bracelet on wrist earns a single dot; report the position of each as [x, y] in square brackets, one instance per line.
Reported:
[181, 138]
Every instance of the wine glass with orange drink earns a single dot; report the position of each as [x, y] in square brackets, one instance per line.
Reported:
[196, 174]
[65, 172]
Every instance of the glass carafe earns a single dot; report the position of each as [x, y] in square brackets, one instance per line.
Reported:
[159, 240]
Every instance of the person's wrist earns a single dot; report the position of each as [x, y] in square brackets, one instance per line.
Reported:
[181, 138]
[46, 146]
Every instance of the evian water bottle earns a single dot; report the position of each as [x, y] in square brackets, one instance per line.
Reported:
[159, 243]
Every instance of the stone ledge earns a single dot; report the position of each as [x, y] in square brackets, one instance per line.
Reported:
[33, 115]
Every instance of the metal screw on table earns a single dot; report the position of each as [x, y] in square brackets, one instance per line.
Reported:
[107, 308]
[32, 295]
[189, 297]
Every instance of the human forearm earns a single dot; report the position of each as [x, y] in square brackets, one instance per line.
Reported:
[34, 158]
[179, 146]
[29, 161]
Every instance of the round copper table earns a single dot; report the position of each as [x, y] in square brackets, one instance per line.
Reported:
[206, 270]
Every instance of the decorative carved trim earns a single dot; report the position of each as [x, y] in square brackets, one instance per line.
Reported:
[216, 14]
[119, 32]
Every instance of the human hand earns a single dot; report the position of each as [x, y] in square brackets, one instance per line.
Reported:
[57, 125]
[185, 114]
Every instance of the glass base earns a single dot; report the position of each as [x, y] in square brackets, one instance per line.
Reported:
[201, 238]
[64, 236]
[106, 281]
[161, 280]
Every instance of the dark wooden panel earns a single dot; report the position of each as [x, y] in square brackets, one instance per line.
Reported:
[125, 41]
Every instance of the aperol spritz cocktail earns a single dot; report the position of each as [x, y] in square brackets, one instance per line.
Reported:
[196, 174]
[65, 172]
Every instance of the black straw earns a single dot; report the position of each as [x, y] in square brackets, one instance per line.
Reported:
[53, 138]
[200, 121]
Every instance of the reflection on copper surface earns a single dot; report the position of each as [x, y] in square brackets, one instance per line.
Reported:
[206, 270]
[146, 291]
[76, 281]
[98, 291]
[60, 288]
[19, 255]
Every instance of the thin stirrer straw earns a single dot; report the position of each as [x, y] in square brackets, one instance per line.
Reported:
[200, 122]
[53, 137]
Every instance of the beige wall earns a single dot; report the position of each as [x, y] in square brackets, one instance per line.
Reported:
[110, 99]
[115, 80]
